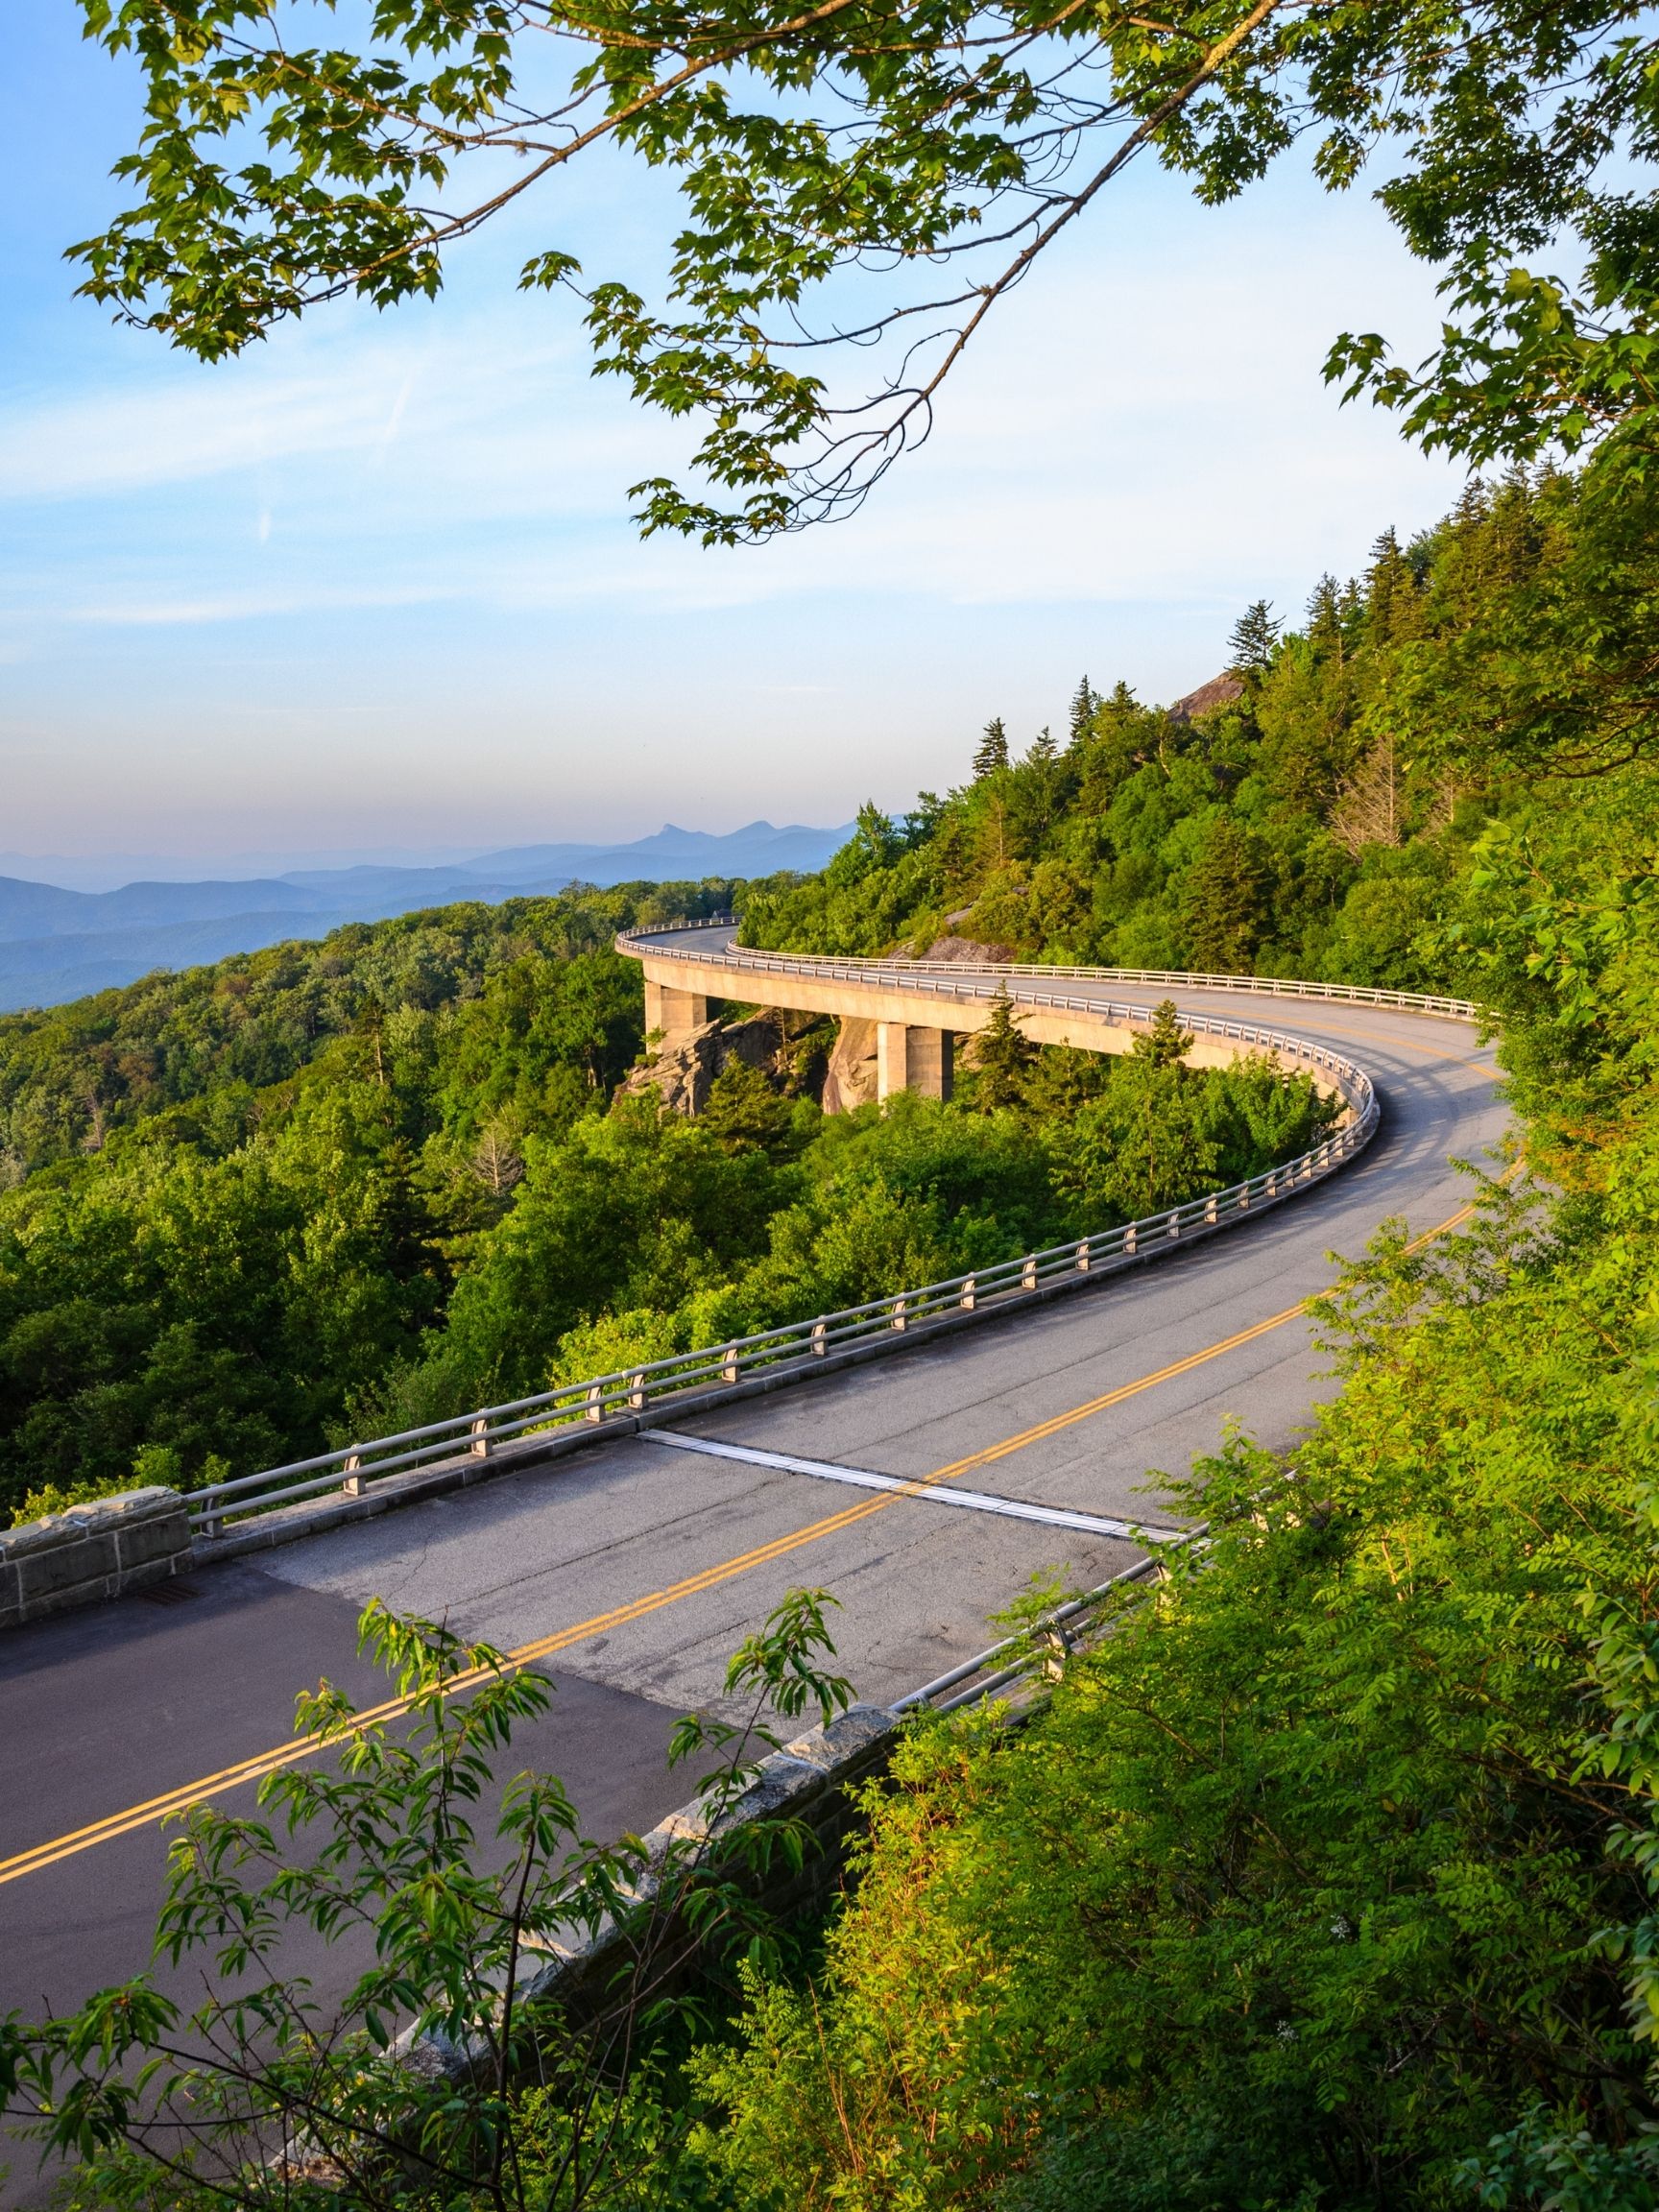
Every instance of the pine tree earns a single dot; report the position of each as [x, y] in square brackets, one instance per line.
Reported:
[1165, 1043]
[993, 752]
[744, 1112]
[1085, 701]
[1223, 907]
[1388, 584]
[1043, 750]
[1325, 619]
[1255, 635]
[1002, 1055]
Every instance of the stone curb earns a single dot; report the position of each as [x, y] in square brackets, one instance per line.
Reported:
[91, 1552]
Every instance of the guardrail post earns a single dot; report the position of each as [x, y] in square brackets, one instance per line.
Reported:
[593, 1405]
[1057, 1647]
[966, 1297]
[1028, 1275]
[820, 1341]
[1083, 1256]
[728, 1364]
[479, 1448]
[352, 1485]
[1174, 1227]
[1129, 1240]
[1210, 1207]
[901, 1313]
[636, 1392]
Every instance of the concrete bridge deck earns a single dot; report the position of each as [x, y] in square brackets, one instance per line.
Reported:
[636, 1569]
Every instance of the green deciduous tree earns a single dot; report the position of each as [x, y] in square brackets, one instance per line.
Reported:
[443, 2077]
[281, 166]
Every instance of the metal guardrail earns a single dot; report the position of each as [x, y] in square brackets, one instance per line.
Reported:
[1271, 986]
[796, 1347]
[1043, 1648]
[888, 969]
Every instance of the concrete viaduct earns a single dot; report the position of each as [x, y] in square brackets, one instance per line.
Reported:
[916, 1008]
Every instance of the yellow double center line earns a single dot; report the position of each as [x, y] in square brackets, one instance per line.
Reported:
[289, 1754]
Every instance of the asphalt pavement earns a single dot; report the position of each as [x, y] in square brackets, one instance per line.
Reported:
[636, 1568]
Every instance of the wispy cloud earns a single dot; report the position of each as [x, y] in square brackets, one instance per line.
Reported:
[244, 607]
[379, 576]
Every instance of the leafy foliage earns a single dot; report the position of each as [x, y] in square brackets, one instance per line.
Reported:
[857, 176]
[1330, 1876]
[1322, 822]
[445, 2076]
[432, 1201]
[239, 1193]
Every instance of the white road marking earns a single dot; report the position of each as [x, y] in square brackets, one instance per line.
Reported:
[929, 1493]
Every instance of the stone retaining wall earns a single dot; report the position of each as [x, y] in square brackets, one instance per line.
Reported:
[810, 1780]
[90, 1552]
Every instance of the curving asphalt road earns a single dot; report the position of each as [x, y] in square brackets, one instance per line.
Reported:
[639, 1567]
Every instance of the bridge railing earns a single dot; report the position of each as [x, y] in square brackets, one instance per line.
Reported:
[1041, 1649]
[711, 1371]
[888, 970]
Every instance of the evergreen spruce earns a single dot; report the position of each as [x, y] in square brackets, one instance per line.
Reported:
[1255, 636]
[1085, 702]
[993, 753]
[1166, 1044]
[1003, 1054]
[1325, 619]
[1389, 585]
[745, 1113]
[1223, 907]
[1043, 750]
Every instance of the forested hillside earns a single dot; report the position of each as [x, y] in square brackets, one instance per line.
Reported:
[1331, 1877]
[232, 1196]
[337, 1189]
[1320, 822]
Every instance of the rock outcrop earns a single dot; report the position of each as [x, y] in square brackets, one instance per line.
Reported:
[851, 1078]
[1219, 691]
[684, 1067]
[966, 948]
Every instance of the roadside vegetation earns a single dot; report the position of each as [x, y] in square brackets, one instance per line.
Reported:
[1327, 1879]
[335, 1190]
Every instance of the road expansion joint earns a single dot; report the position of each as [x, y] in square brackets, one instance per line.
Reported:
[928, 1490]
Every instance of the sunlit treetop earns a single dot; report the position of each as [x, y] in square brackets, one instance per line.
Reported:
[863, 180]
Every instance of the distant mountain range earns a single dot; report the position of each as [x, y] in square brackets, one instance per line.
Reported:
[56, 944]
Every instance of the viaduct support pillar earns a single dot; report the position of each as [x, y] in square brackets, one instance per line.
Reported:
[673, 1012]
[912, 1059]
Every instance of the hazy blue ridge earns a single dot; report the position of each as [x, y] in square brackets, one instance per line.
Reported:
[58, 944]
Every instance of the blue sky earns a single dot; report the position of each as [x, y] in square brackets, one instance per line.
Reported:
[374, 586]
